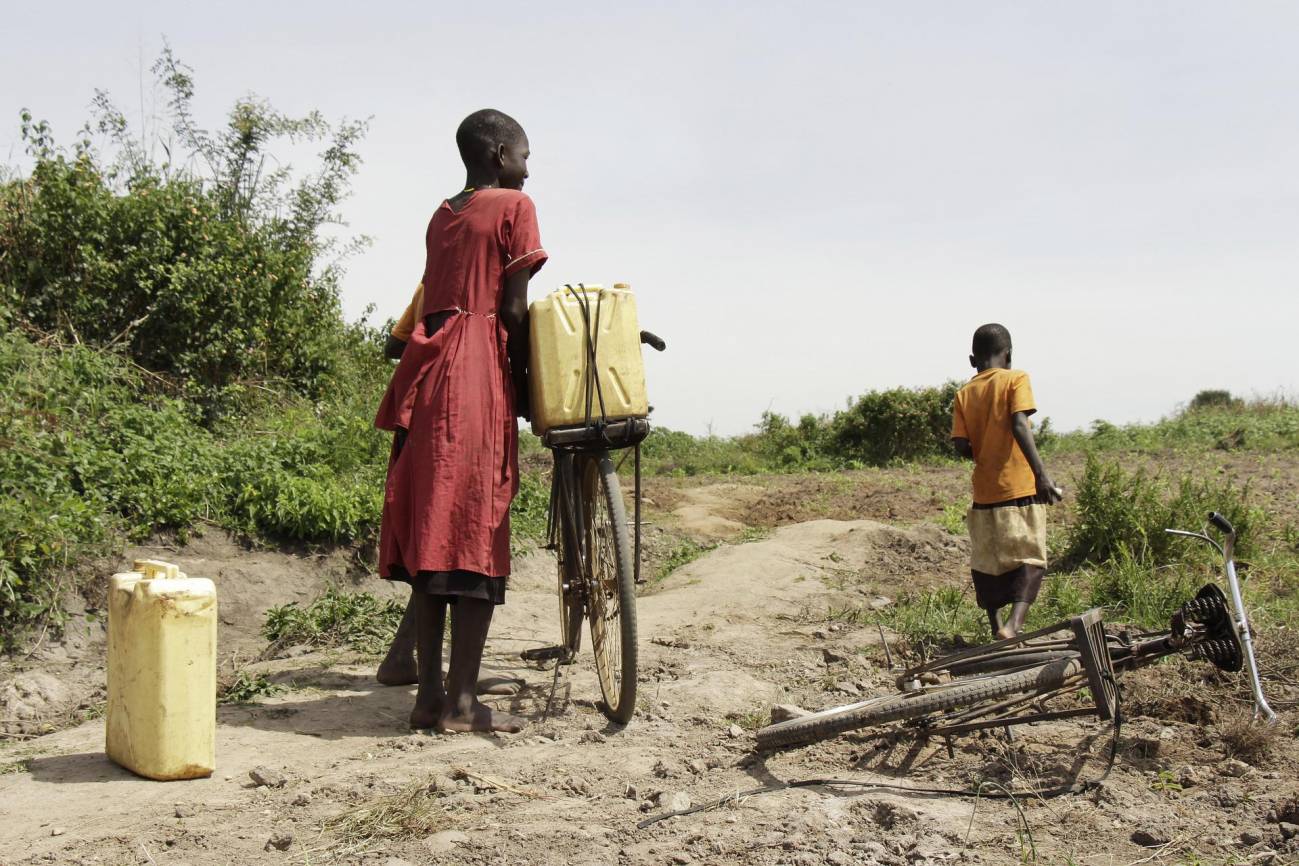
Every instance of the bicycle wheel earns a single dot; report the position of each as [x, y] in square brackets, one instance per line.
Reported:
[610, 583]
[913, 705]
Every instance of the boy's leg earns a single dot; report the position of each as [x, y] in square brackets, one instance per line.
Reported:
[462, 711]
[430, 620]
[994, 621]
[399, 667]
[1027, 589]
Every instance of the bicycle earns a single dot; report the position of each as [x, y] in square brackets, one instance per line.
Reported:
[598, 559]
[1009, 682]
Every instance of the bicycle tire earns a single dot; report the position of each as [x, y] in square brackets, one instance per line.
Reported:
[913, 705]
[611, 587]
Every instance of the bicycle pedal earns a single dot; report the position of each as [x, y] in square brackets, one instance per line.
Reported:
[547, 653]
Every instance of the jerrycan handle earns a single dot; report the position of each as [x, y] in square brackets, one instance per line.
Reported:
[155, 568]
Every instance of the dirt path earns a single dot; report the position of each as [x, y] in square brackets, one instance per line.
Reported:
[724, 637]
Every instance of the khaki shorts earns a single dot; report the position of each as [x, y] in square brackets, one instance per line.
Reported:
[1006, 537]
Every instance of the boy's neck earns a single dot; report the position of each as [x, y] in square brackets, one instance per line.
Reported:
[999, 361]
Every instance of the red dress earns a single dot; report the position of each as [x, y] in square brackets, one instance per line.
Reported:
[447, 500]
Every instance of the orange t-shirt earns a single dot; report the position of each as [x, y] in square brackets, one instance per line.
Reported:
[983, 411]
[406, 324]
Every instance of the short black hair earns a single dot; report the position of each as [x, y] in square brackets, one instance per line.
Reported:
[989, 340]
[483, 130]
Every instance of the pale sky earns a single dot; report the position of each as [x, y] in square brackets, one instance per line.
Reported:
[810, 199]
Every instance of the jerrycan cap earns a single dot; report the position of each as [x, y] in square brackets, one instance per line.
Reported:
[623, 286]
[153, 569]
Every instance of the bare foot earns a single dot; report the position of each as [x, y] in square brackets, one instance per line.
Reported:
[499, 685]
[480, 718]
[1006, 632]
[400, 671]
[425, 716]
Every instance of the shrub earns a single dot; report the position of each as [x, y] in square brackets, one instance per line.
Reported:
[1213, 400]
[899, 424]
[218, 280]
[1123, 515]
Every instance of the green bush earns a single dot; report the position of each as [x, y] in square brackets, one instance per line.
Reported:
[1123, 515]
[1212, 399]
[672, 452]
[218, 280]
[1261, 425]
[530, 510]
[899, 424]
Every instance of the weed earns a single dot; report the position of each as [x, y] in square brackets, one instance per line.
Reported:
[751, 720]
[849, 613]
[1166, 783]
[762, 533]
[411, 813]
[245, 687]
[1245, 738]
[337, 618]
[683, 554]
[933, 619]
[953, 517]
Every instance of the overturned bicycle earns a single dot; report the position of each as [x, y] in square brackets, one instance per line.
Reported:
[1015, 681]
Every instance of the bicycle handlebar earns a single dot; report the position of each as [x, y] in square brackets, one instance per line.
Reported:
[1221, 522]
[654, 341]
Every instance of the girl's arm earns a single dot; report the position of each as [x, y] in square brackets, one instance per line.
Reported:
[514, 316]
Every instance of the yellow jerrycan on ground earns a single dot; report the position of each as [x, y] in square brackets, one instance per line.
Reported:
[585, 363]
[162, 626]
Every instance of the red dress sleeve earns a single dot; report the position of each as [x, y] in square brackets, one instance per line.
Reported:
[521, 237]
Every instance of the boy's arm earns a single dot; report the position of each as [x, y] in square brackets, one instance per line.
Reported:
[514, 317]
[1046, 488]
[393, 348]
[401, 332]
[960, 437]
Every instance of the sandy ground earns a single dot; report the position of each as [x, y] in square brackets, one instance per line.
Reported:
[744, 627]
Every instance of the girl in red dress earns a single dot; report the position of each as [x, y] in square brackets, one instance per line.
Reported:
[452, 404]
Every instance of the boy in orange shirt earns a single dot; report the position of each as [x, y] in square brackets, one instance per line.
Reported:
[401, 332]
[1007, 521]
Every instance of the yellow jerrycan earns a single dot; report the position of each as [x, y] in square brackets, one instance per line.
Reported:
[585, 362]
[162, 626]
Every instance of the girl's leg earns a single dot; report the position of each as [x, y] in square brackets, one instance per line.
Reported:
[430, 620]
[399, 667]
[462, 710]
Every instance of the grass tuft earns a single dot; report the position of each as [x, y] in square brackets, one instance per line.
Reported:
[409, 814]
